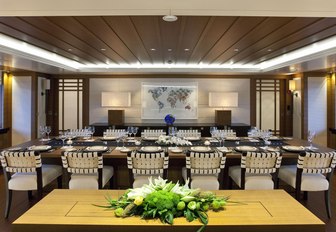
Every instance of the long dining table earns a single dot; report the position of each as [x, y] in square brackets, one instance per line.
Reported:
[117, 158]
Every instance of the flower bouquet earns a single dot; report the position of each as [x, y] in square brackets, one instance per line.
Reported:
[166, 201]
[169, 119]
[167, 140]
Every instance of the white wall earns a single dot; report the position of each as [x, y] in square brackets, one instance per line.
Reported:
[21, 109]
[205, 114]
[317, 108]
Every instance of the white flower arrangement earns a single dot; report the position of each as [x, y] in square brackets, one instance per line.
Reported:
[167, 140]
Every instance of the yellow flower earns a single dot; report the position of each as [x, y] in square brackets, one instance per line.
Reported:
[138, 200]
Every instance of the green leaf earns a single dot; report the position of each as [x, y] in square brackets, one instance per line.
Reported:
[189, 215]
[169, 217]
[203, 217]
[201, 229]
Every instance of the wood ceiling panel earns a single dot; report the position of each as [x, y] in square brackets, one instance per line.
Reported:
[99, 27]
[304, 37]
[126, 31]
[263, 29]
[213, 31]
[148, 29]
[191, 31]
[92, 42]
[21, 30]
[241, 27]
[262, 46]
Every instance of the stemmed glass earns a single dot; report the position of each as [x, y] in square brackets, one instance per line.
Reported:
[213, 131]
[92, 131]
[48, 130]
[62, 136]
[130, 131]
[135, 130]
[42, 132]
[118, 138]
[265, 136]
[310, 138]
[222, 136]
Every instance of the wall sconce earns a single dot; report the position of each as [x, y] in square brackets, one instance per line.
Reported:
[116, 99]
[292, 88]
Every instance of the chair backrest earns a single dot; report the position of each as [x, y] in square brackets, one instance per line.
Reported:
[28, 161]
[148, 163]
[261, 162]
[82, 162]
[205, 163]
[317, 162]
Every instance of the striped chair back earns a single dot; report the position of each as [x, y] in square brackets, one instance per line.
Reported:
[205, 163]
[317, 162]
[261, 162]
[82, 162]
[148, 163]
[27, 161]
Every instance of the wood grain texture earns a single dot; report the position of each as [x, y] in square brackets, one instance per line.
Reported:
[272, 210]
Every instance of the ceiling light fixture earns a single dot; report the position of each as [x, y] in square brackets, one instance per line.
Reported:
[186, 49]
[153, 49]
[170, 17]
[169, 49]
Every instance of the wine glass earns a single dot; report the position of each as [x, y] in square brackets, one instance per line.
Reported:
[42, 132]
[213, 131]
[265, 136]
[48, 130]
[130, 131]
[135, 130]
[118, 138]
[92, 131]
[222, 136]
[310, 138]
[62, 136]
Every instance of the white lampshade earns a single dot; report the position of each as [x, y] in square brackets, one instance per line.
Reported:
[223, 99]
[116, 99]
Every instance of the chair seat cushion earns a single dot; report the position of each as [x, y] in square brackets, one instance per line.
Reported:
[90, 181]
[252, 181]
[28, 181]
[309, 182]
[205, 182]
[184, 174]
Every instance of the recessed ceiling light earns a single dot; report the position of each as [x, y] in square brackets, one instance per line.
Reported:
[153, 49]
[236, 50]
[169, 49]
[103, 49]
[269, 50]
[69, 49]
[186, 49]
[169, 18]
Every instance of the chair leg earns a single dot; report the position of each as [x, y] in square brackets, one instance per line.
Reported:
[59, 182]
[30, 194]
[327, 202]
[305, 195]
[297, 194]
[8, 202]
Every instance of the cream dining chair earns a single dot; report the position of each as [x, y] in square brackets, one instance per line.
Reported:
[257, 170]
[24, 171]
[204, 169]
[86, 170]
[142, 165]
[313, 172]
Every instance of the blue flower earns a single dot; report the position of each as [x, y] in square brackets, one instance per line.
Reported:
[169, 119]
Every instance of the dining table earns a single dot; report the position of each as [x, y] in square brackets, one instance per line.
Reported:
[115, 151]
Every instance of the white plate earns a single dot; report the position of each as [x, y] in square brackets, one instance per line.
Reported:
[271, 149]
[275, 138]
[200, 149]
[232, 138]
[192, 138]
[69, 149]
[14, 149]
[176, 150]
[151, 138]
[246, 148]
[223, 149]
[96, 148]
[293, 148]
[287, 138]
[109, 138]
[125, 150]
[151, 149]
[39, 148]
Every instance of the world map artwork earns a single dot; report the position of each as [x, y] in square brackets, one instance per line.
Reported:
[177, 100]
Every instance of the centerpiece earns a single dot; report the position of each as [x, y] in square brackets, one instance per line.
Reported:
[169, 119]
[167, 140]
[166, 201]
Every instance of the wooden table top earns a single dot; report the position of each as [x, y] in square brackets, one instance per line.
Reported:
[72, 210]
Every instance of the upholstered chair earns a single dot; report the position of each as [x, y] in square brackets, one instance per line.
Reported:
[313, 172]
[204, 169]
[86, 171]
[24, 171]
[142, 165]
[257, 170]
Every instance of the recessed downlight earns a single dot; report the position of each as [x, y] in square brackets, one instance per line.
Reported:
[169, 18]
[236, 50]
[169, 49]
[152, 49]
[186, 49]
[103, 49]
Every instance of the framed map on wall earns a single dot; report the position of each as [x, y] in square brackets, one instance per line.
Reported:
[160, 99]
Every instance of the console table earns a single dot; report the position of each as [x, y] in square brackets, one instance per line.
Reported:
[240, 128]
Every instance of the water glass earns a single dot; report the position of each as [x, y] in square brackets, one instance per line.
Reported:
[310, 138]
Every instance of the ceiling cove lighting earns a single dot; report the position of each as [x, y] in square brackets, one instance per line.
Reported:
[16, 47]
[25, 50]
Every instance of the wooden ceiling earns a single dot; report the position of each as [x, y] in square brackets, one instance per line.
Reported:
[190, 39]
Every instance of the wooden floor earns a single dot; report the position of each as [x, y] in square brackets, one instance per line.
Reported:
[20, 204]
